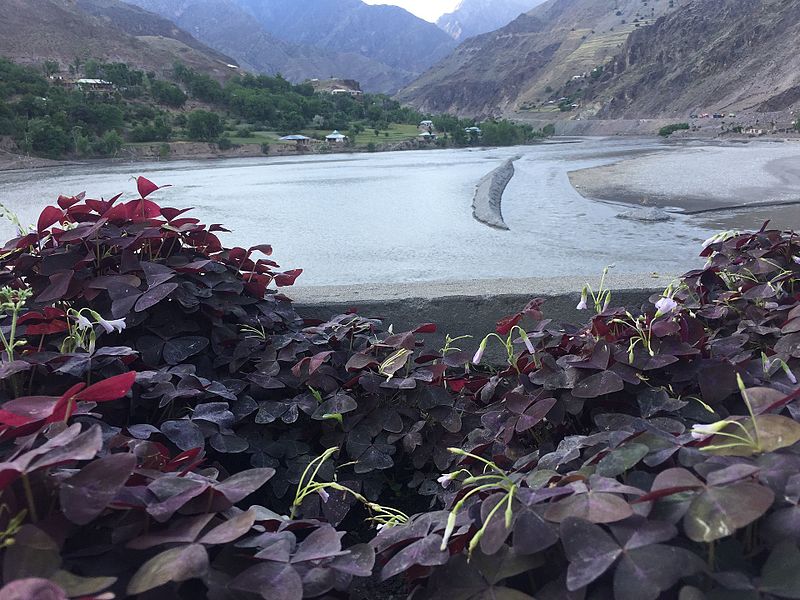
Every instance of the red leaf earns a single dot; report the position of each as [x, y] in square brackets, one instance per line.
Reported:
[49, 216]
[314, 363]
[30, 409]
[109, 389]
[66, 201]
[263, 248]
[504, 326]
[138, 210]
[47, 328]
[426, 328]
[147, 187]
[171, 213]
[65, 406]
[288, 278]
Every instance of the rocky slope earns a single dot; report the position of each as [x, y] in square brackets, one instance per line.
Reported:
[532, 57]
[726, 56]
[32, 31]
[474, 17]
[382, 47]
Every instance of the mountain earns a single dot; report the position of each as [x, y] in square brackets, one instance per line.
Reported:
[531, 57]
[141, 23]
[227, 27]
[726, 55]
[388, 34]
[474, 17]
[382, 47]
[32, 31]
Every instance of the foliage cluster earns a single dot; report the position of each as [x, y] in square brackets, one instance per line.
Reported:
[668, 130]
[171, 427]
[52, 120]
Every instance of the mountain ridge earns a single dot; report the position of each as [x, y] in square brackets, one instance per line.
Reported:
[34, 31]
[741, 57]
[494, 73]
[282, 37]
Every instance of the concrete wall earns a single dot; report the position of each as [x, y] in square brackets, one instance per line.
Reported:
[468, 307]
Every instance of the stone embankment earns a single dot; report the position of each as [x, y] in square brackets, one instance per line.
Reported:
[487, 204]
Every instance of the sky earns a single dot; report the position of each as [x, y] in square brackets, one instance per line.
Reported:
[429, 10]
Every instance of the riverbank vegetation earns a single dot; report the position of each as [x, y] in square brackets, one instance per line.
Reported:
[172, 427]
[54, 117]
[668, 130]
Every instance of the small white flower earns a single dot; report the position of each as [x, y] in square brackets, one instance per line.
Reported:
[111, 326]
[82, 322]
[796, 259]
[445, 480]
[382, 526]
[582, 305]
[665, 306]
[324, 495]
[701, 432]
[528, 344]
[476, 360]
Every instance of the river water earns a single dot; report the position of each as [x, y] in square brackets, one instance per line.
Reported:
[398, 217]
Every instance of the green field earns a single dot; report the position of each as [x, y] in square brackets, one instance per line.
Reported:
[397, 133]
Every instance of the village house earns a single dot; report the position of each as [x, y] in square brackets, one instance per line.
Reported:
[336, 138]
[95, 85]
[300, 141]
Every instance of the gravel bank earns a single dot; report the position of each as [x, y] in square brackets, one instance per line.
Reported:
[714, 177]
[487, 204]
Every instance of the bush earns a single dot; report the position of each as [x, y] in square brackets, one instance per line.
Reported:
[167, 93]
[42, 136]
[227, 445]
[108, 145]
[224, 143]
[204, 126]
[265, 148]
[670, 129]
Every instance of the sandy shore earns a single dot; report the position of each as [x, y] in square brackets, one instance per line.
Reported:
[727, 180]
[15, 162]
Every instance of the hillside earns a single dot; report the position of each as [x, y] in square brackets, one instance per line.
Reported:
[32, 31]
[474, 17]
[730, 55]
[532, 57]
[141, 23]
[340, 38]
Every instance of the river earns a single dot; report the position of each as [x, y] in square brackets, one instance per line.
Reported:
[402, 216]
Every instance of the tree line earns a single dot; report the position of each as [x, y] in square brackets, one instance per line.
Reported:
[48, 118]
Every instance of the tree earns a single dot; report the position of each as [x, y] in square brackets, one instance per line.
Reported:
[50, 67]
[204, 126]
[42, 136]
[167, 93]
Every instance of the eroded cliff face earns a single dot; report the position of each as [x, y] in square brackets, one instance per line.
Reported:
[662, 62]
[726, 55]
[536, 54]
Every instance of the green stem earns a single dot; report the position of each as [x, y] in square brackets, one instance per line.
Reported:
[26, 484]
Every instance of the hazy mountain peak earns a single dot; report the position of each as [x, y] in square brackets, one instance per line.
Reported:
[474, 17]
